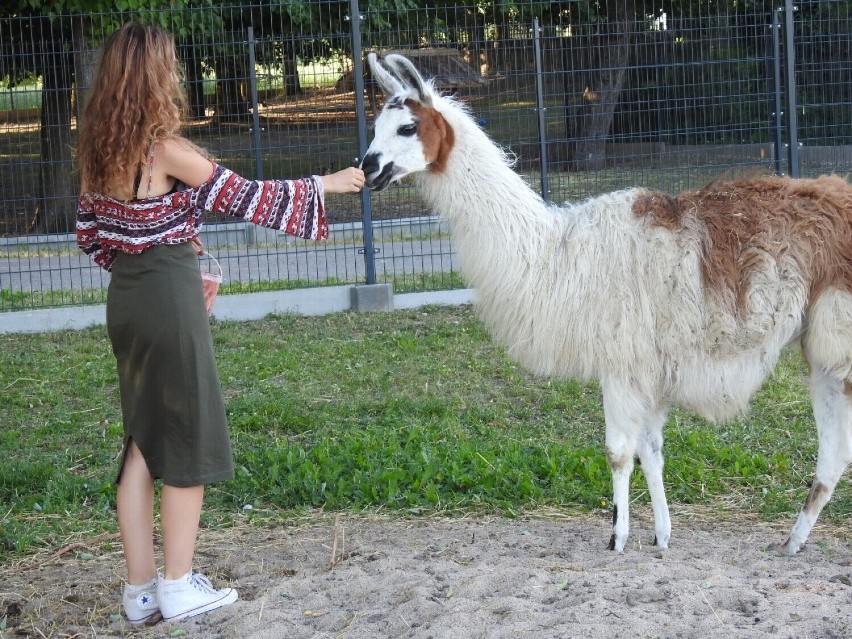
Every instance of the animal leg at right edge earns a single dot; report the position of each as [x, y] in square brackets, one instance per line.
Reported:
[833, 414]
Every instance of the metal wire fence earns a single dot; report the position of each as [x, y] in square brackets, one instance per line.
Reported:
[588, 99]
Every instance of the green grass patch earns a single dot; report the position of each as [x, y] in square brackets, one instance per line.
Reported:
[26, 300]
[25, 96]
[402, 283]
[412, 410]
[237, 287]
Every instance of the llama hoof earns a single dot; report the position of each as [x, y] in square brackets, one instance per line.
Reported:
[789, 547]
[616, 545]
[662, 543]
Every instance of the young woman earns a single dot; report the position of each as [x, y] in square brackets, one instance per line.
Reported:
[143, 191]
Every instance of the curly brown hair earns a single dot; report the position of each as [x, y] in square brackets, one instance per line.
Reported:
[135, 101]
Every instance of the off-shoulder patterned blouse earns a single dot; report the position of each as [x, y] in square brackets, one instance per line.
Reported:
[106, 226]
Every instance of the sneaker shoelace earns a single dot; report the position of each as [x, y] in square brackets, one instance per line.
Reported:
[202, 583]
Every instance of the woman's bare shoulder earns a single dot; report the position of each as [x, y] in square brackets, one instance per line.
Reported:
[176, 145]
[181, 159]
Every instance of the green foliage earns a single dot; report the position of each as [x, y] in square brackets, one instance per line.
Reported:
[417, 411]
[21, 300]
[13, 299]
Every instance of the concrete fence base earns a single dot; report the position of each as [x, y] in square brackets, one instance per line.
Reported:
[250, 306]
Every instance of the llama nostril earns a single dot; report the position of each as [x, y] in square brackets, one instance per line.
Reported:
[370, 163]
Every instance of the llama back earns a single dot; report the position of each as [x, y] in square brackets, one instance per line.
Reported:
[804, 226]
[773, 251]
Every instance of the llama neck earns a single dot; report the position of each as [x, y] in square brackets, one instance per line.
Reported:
[478, 188]
[494, 215]
[543, 275]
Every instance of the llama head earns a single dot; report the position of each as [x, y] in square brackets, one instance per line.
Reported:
[410, 134]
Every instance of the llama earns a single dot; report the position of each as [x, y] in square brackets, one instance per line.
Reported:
[685, 300]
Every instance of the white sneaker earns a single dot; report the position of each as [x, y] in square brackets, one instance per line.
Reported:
[190, 595]
[140, 603]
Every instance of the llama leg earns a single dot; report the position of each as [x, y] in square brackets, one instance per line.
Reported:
[650, 448]
[621, 471]
[623, 415]
[833, 414]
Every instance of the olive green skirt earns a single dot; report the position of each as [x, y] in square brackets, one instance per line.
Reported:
[171, 399]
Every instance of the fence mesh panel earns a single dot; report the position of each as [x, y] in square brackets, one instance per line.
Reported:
[623, 95]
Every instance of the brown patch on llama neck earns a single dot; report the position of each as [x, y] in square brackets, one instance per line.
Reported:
[746, 221]
[436, 135]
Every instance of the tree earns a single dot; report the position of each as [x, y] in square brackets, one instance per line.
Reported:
[40, 45]
[605, 54]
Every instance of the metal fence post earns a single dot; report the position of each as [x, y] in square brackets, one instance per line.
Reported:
[777, 118]
[255, 127]
[542, 110]
[790, 85]
[361, 112]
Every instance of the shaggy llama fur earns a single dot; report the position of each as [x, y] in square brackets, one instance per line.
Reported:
[684, 300]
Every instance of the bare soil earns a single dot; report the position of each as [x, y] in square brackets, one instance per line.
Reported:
[370, 576]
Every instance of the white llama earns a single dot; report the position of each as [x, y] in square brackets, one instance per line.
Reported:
[686, 300]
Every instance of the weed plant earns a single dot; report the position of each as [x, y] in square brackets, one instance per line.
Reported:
[413, 411]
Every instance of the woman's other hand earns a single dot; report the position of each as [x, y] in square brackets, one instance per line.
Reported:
[349, 180]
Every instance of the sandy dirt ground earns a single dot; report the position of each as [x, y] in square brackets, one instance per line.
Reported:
[356, 576]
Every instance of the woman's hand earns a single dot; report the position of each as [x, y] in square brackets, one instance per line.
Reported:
[350, 180]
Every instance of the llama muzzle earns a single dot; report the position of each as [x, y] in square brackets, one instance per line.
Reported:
[377, 177]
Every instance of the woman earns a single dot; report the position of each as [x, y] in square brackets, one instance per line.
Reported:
[143, 191]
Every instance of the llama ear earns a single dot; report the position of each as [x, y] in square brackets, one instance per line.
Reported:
[390, 85]
[402, 67]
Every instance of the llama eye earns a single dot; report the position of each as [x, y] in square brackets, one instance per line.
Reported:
[408, 129]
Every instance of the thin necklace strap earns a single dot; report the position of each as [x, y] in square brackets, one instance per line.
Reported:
[150, 169]
[137, 181]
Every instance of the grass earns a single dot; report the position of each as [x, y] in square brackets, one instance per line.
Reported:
[415, 411]
[25, 96]
[26, 300]
[402, 283]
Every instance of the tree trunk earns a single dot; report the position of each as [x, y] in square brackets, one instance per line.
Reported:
[477, 43]
[590, 123]
[57, 199]
[231, 102]
[290, 66]
[495, 50]
[292, 85]
[85, 60]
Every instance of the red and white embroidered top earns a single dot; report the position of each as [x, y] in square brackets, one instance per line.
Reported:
[106, 226]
